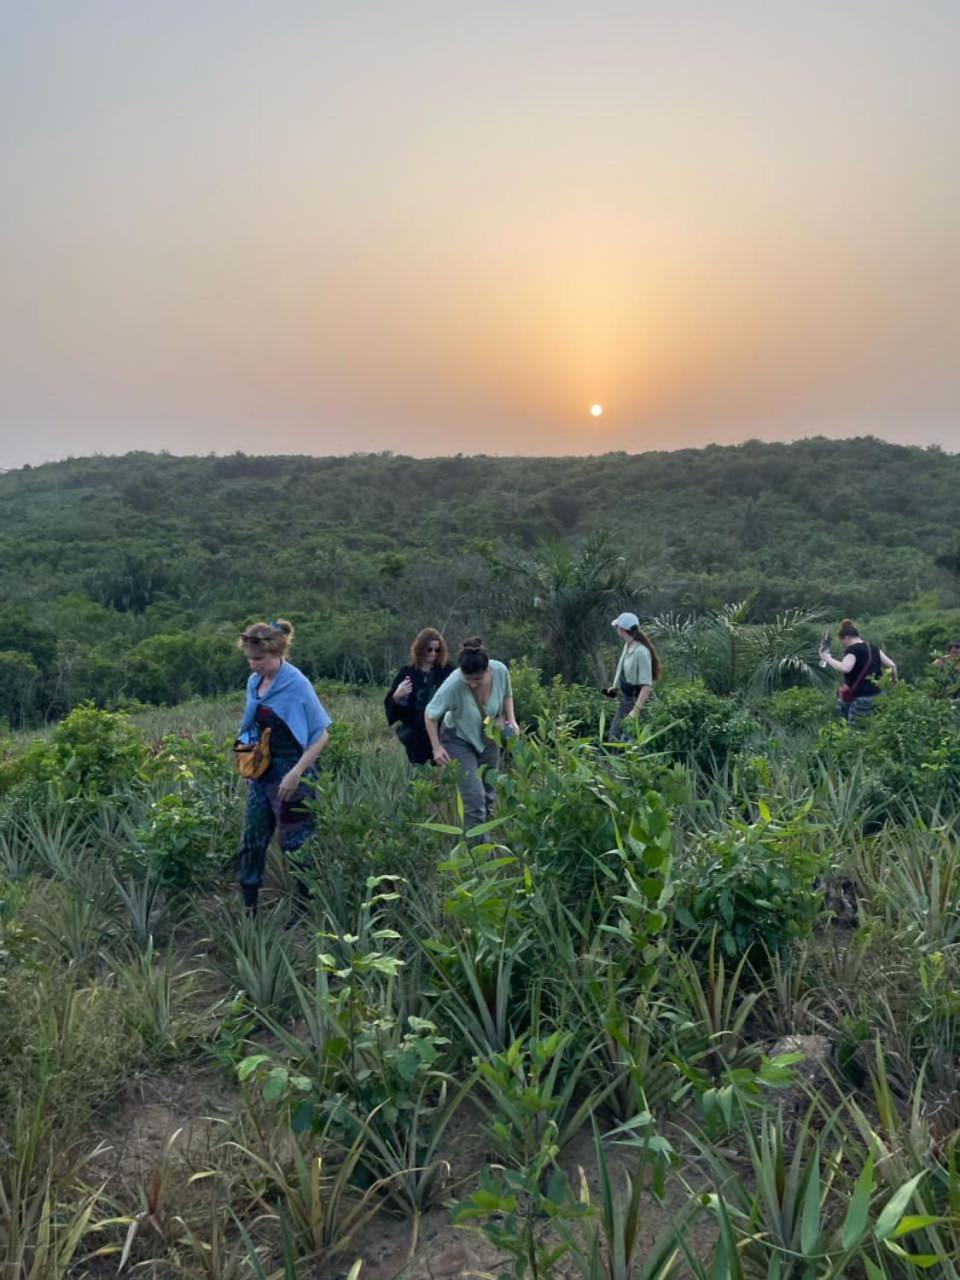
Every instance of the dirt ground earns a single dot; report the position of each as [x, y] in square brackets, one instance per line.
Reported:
[166, 1129]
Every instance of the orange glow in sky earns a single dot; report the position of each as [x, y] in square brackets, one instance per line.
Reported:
[445, 228]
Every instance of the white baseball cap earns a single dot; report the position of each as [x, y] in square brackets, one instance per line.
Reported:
[626, 620]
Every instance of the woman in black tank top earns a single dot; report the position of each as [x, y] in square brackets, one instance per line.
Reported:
[860, 668]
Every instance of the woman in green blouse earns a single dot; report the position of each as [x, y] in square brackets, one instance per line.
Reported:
[475, 696]
[638, 668]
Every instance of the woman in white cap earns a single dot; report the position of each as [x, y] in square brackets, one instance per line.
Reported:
[638, 668]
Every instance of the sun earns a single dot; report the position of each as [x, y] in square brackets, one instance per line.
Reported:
[596, 410]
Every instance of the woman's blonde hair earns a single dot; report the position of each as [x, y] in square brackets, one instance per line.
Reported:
[429, 635]
[263, 638]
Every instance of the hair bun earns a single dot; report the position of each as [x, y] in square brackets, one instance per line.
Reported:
[283, 625]
[473, 642]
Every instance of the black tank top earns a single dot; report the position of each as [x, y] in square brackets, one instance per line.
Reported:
[283, 745]
[865, 655]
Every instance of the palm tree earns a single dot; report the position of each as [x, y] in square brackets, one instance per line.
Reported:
[570, 593]
[732, 656]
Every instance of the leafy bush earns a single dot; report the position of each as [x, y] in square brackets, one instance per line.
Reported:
[565, 803]
[546, 707]
[913, 743]
[691, 723]
[177, 841]
[90, 753]
[908, 752]
[799, 710]
[752, 881]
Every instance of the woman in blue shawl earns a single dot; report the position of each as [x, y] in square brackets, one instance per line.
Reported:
[279, 698]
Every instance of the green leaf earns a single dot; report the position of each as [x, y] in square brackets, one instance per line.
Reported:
[914, 1222]
[922, 1260]
[482, 828]
[894, 1208]
[810, 1222]
[302, 1119]
[855, 1221]
[249, 1065]
[275, 1084]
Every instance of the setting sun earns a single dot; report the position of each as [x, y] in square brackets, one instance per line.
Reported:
[596, 410]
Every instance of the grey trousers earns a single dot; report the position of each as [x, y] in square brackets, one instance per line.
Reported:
[625, 705]
[478, 795]
[618, 732]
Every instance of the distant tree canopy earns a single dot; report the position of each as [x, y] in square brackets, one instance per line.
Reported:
[128, 578]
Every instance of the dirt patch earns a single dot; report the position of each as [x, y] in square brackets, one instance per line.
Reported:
[169, 1124]
[163, 1115]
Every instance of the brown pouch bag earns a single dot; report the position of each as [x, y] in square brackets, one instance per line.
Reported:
[253, 758]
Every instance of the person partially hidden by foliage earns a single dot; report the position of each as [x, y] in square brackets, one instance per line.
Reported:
[638, 668]
[413, 687]
[860, 667]
[281, 700]
[949, 668]
[472, 700]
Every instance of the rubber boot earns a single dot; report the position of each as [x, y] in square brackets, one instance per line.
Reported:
[251, 892]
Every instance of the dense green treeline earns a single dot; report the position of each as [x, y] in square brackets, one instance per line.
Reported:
[127, 578]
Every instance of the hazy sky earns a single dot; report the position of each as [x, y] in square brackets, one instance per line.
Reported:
[442, 227]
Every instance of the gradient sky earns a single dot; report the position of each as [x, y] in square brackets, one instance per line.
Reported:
[439, 228]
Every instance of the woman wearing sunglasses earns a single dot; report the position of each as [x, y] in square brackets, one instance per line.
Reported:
[412, 688]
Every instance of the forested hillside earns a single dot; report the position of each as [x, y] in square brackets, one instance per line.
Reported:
[128, 577]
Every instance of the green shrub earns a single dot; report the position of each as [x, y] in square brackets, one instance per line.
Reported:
[90, 753]
[907, 750]
[691, 723]
[752, 881]
[799, 710]
[545, 708]
[566, 803]
[912, 745]
[177, 841]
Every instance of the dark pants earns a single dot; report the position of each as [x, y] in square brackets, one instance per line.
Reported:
[266, 814]
[476, 791]
[858, 709]
[626, 703]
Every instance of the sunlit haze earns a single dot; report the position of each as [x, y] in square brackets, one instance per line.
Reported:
[439, 228]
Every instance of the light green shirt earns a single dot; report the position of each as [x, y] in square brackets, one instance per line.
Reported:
[455, 705]
[635, 665]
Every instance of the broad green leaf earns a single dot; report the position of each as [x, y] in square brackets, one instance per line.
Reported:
[249, 1065]
[893, 1211]
[275, 1084]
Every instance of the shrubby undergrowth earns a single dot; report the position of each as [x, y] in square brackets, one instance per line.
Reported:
[612, 961]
